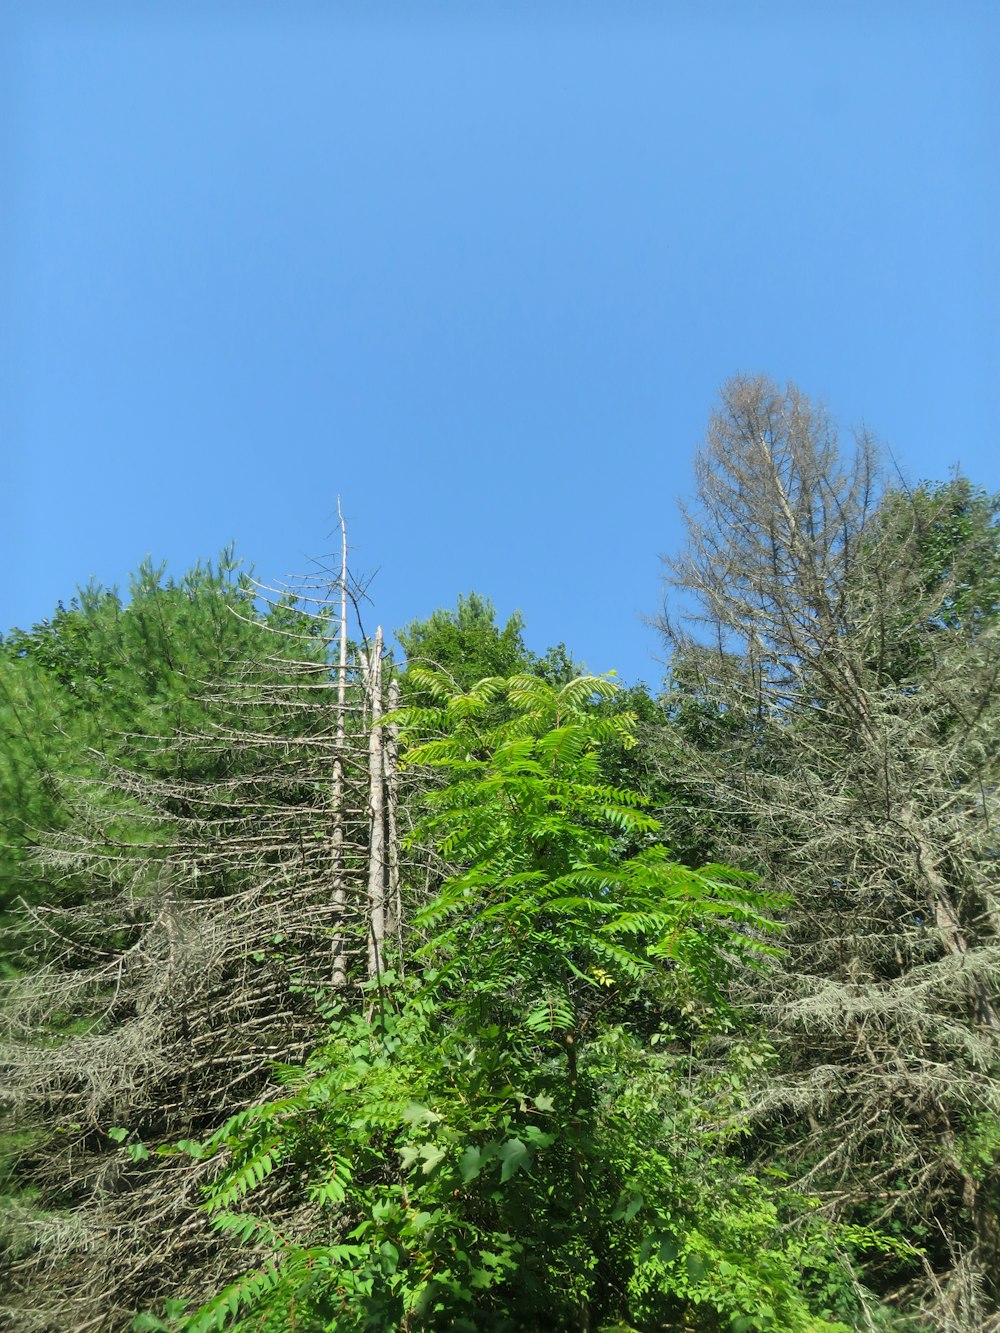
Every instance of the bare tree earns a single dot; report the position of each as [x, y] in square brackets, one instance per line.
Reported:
[339, 759]
[394, 884]
[377, 857]
[207, 947]
[839, 729]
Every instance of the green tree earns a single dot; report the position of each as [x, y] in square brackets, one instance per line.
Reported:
[109, 681]
[509, 1139]
[468, 645]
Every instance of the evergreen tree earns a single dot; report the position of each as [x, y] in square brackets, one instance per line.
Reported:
[167, 778]
[836, 729]
[467, 645]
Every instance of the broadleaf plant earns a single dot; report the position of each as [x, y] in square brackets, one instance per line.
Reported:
[507, 1137]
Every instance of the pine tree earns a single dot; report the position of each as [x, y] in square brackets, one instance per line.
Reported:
[180, 926]
[836, 725]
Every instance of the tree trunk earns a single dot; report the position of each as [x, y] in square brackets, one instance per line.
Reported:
[376, 813]
[339, 886]
[391, 764]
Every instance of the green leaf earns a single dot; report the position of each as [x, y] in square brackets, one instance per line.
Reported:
[696, 1269]
[433, 1155]
[117, 1133]
[408, 1155]
[470, 1164]
[514, 1155]
[390, 1256]
[628, 1205]
[417, 1114]
[668, 1251]
[537, 1138]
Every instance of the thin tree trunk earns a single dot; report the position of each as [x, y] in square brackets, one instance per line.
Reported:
[339, 886]
[391, 757]
[376, 810]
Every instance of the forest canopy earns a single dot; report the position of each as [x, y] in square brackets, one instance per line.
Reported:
[455, 988]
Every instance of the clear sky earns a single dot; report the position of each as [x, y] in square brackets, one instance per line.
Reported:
[478, 268]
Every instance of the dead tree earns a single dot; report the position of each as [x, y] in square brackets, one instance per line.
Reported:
[837, 728]
[377, 858]
[339, 977]
[394, 886]
[224, 915]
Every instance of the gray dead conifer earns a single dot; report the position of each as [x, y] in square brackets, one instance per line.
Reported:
[339, 885]
[206, 948]
[837, 734]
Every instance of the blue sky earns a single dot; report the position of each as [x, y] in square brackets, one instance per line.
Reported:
[480, 270]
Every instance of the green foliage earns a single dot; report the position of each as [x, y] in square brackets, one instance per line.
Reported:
[544, 837]
[512, 1139]
[958, 538]
[979, 1150]
[947, 541]
[467, 645]
[109, 681]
